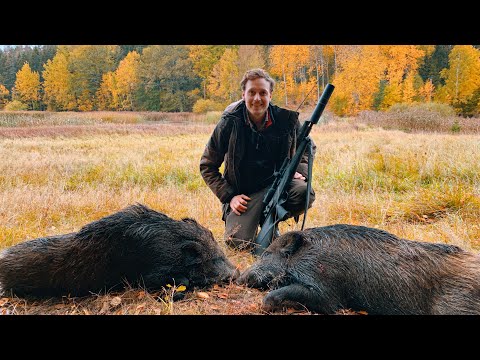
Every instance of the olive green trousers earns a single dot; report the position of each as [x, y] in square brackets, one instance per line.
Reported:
[240, 230]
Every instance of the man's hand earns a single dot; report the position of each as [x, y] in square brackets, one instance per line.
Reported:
[297, 175]
[238, 204]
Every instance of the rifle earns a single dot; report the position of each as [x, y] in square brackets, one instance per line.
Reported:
[277, 194]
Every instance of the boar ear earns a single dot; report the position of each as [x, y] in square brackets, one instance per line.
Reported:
[292, 243]
[192, 253]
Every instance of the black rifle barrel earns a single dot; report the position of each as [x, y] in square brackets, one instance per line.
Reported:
[317, 112]
[322, 102]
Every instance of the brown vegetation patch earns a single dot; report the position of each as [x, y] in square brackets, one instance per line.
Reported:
[164, 129]
[419, 120]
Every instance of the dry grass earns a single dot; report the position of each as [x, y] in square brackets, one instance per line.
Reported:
[172, 129]
[46, 118]
[55, 179]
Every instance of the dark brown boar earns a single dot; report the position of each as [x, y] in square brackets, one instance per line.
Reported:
[136, 246]
[336, 267]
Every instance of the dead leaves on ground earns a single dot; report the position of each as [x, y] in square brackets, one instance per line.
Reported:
[218, 300]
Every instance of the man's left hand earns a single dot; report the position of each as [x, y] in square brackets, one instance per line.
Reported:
[299, 176]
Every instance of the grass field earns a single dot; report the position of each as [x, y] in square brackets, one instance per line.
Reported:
[55, 178]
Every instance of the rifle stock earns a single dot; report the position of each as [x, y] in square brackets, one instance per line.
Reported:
[276, 196]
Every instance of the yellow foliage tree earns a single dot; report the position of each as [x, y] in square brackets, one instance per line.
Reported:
[427, 90]
[291, 64]
[56, 83]
[3, 95]
[88, 63]
[27, 86]
[462, 78]
[107, 94]
[401, 61]
[408, 90]
[342, 54]
[249, 57]
[128, 80]
[357, 80]
[223, 81]
[278, 68]
[392, 94]
[325, 58]
[401, 68]
[204, 58]
[316, 52]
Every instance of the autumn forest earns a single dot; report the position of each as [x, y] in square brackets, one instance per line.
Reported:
[200, 78]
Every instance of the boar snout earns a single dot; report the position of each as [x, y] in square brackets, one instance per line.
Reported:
[247, 278]
[231, 277]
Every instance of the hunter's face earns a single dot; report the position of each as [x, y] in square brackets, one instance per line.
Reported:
[257, 96]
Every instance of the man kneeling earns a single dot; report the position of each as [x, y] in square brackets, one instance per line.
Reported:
[253, 137]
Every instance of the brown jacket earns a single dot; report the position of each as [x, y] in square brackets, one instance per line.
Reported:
[227, 145]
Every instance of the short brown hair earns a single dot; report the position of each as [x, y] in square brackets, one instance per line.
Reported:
[253, 74]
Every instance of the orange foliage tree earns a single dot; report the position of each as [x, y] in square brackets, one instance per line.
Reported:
[402, 62]
[291, 64]
[357, 80]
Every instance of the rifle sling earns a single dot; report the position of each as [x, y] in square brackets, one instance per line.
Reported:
[309, 181]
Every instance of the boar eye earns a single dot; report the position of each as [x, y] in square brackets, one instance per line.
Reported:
[285, 253]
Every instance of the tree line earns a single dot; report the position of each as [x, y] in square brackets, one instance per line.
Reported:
[183, 78]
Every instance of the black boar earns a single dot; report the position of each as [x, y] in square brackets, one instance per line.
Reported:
[336, 267]
[136, 245]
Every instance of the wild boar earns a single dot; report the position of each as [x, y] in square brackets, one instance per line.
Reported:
[136, 246]
[325, 269]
